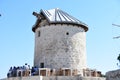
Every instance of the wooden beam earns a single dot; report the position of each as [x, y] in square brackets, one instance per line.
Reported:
[116, 25]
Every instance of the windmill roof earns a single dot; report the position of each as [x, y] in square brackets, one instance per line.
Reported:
[58, 16]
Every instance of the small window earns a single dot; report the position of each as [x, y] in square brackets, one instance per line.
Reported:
[67, 33]
[38, 33]
[41, 65]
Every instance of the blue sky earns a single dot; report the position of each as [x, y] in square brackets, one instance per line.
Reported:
[17, 38]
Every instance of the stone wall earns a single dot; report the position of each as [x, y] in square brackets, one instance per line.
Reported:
[55, 78]
[113, 75]
[60, 46]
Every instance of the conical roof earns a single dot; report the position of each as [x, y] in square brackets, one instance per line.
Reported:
[57, 16]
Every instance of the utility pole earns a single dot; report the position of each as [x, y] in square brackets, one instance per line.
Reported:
[117, 26]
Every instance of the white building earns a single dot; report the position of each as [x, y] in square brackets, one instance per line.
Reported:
[60, 41]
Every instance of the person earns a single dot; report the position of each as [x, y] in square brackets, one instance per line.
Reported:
[23, 70]
[27, 68]
[34, 71]
[19, 70]
[9, 74]
[14, 72]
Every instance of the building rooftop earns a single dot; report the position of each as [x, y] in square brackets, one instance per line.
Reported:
[57, 16]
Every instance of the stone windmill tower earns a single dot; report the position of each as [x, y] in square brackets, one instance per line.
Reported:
[60, 40]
